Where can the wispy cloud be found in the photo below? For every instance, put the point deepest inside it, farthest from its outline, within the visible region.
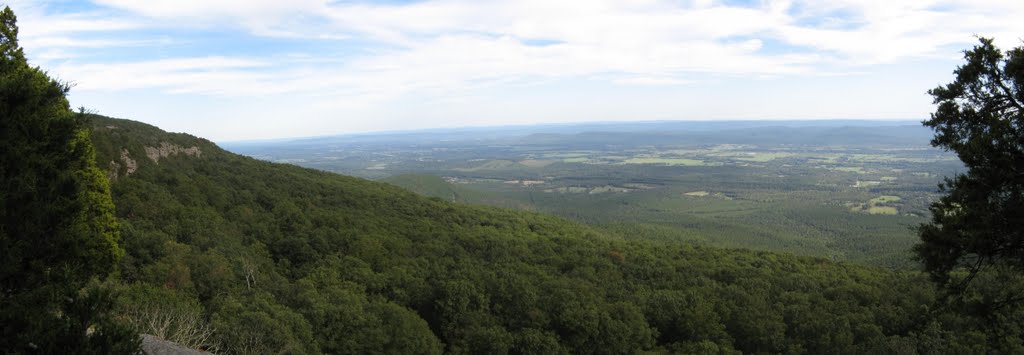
(446, 44)
(359, 50)
(209, 75)
(647, 80)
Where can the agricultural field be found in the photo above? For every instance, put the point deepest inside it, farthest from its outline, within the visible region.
(846, 191)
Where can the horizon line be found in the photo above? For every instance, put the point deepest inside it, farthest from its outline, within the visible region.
(553, 124)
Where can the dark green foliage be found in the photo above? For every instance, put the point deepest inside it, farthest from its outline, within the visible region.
(57, 226)
(256, 324)
(437, 187)
(427, 185)
(846, 191)
(290, 259)
(229, 253)
(976, 226)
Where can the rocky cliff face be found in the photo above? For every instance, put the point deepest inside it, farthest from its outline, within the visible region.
(152, 345)
(167, 149)
(130, 166)
(164, 150)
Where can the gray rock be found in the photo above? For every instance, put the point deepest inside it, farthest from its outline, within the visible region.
(152, 345)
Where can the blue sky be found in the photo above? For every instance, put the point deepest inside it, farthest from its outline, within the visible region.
(257, 69)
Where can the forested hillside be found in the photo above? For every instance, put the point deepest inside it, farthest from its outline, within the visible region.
(434, 186)
(246, 256)
(846, 190)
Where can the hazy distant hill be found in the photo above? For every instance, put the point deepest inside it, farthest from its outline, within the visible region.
(761, 136)
(505, 133)
(621, 136)
(281, 259)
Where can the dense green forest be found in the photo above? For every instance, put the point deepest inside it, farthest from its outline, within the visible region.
(264, 257)
(113, 228)
(842, 190)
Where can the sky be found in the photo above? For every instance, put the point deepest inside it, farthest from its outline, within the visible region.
(233, 70)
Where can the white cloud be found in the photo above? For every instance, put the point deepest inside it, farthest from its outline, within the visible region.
(220, 10)
(451, 48)
(887, 31)
(210, 75)
(65, 42)
(653, 81)
(451, 44)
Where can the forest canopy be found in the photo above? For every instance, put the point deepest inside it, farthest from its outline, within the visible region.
(280, 258)
(226, 253)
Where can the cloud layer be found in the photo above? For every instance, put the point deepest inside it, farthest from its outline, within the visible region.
(370, 52)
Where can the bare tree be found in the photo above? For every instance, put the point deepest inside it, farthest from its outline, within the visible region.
(249, 270)
(183, 325)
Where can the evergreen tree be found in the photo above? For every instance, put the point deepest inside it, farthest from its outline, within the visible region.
(57, 227)
(976, 227)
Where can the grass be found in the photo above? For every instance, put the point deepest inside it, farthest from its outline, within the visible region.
(754, 157)
(884, 199)
(886, 210)
(536, 163)
(875, 206)
(867, 183)
(573, 154)
(874, 158)
(608, 188)
(666, 161)
(851, 169)
(765, 157)
(495, 165)
(569, 189)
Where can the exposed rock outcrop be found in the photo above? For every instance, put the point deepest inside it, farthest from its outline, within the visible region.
(130, 164)
(167, 149)
(152, 345)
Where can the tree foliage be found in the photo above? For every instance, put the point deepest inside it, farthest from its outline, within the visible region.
(976, 226)
(57, 225)
(231, 253)
(282, 258)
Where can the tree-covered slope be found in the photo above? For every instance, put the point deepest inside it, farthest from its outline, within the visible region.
(250, 256)
(436, 186)
(427, 185)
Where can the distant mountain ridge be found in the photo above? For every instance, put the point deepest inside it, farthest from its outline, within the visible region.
(504, 132)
